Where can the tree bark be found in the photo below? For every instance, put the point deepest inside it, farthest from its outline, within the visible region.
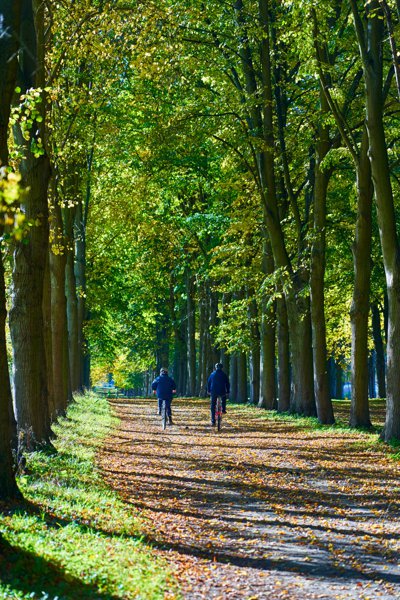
(26, 315)
(371, 374)
(379, 349)
(80, 278)
(370, 38)
(267, 398)
(204, 352)
(10, 11)
(317, 274)
(191, 332)
(359, 413)
(183, 359)
(213, 350)
(283, 356)
(254, 350)
(241, 378)
(233, 376)
(59, 329)
(48, 342)
(302, 393)
(72, 302)
(339, 380)
(8, 485)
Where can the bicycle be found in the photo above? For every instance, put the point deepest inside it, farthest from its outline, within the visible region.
(218, 413)
(164, 414)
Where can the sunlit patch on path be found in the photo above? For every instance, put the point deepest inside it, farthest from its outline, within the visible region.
(265, 509)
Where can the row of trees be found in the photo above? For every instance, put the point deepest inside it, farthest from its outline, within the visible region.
(263, 131)
(186, 184)
(46, 149)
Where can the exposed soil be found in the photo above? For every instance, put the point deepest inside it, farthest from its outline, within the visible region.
(265, 509)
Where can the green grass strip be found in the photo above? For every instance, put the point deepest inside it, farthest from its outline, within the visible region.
(368, 439)
(75, 538)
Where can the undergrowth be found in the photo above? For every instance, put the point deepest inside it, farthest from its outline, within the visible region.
(73, 537)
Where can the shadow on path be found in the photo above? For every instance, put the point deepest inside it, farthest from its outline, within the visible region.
(271, 503)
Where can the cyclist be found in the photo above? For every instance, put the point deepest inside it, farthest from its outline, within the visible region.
(218, 385)
(164, 386)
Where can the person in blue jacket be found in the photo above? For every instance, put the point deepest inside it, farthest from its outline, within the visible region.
(164, 386)
(218, 385)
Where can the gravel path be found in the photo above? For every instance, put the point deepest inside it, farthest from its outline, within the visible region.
(265, 509)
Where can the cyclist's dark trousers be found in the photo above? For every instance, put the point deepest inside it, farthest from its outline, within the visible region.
(214, 404)
(168, 403)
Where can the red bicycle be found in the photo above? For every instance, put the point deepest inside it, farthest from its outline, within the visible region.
(218, 413)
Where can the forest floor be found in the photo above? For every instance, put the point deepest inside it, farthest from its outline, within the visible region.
(272, 507)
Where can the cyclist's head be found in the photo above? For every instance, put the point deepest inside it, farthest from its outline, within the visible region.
(163, 371)
(218, 366)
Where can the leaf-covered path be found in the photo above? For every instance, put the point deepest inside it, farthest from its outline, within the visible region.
(265, 509)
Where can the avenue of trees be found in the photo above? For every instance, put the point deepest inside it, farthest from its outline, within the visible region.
(190, 182)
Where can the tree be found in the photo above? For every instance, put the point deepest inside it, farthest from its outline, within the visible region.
(9, 43)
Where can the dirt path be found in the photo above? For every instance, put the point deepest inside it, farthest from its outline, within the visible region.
(263, 510)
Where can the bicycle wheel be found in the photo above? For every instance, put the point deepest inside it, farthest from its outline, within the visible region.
(219, 414)
(164, 414)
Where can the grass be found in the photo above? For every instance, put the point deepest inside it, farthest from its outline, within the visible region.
(366, 438)
(73, 537)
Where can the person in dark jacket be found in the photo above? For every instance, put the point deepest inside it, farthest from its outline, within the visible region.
(218, 385)
(164, 386)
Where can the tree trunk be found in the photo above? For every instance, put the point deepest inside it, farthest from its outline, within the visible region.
(162, 351)
(302, 393)
(241, 378)
(204, 343)
(267, 398)
(359, 413)
(370, 33)
(8, 485)
(297, 303)
(225, 357)
(60, 358)
(317, 274)
(215, 353)
(10, 13)
(385, 312)
(26, 315)
(80, 277)
(380, 353)
(48, 342)
(371, 374)
(72, 302)
(254, 350)
(191, 332)
(183, 359)
(283, 356)
(339, 381)
(233, 376)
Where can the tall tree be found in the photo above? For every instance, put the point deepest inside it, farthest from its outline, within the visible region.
(26, 315)
(370, 35)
